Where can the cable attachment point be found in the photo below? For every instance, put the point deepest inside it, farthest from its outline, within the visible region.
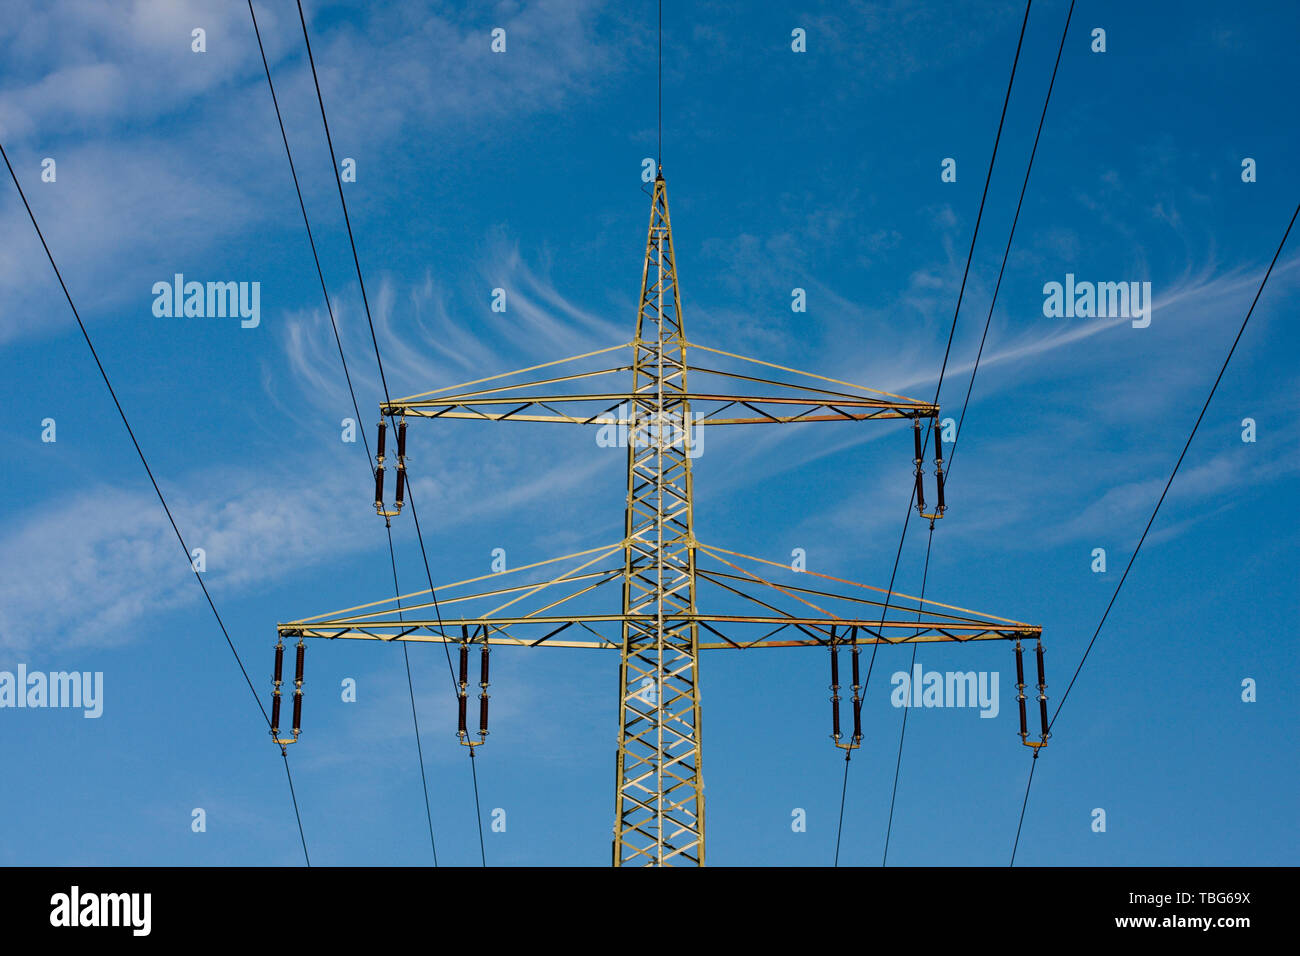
(380, 447)
(277, 682)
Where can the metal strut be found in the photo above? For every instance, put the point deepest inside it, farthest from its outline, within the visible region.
(401, 469)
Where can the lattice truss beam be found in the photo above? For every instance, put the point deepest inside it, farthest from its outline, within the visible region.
(771, 606)
(560, 398)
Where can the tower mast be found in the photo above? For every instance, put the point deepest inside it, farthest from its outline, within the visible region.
(659, 803)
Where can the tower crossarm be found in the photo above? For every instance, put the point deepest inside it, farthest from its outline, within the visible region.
(614, 408)
(728, 396)
(536, 631)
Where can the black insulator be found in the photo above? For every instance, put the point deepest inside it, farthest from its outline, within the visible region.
(297, 711)
(401, 440)
(920, 492)
(856, 682)
(938, 445)
(297, 672)
(1020, 690)
(279, 663)
(379, 443)
(835, 688)
(483, 666)
(379, 485)
(401, 486)
(275, 714)
(1042, 692)
(461, 720)
(938, 477)
(916, 439)
(857, 718)
(464, 664)
(482, 715)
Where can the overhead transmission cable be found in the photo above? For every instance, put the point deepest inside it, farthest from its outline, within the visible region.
(942, 370)
(971, 385)
(387, 398)
(157, 491)
(329, 308)
(1155, 511)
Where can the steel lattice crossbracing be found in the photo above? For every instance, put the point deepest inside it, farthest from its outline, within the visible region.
(659, 814)
(674, 588)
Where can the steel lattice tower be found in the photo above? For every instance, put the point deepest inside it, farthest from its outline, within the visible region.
(659, 795)
(660, 802)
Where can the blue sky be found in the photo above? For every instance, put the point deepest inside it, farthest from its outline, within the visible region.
(521, 170)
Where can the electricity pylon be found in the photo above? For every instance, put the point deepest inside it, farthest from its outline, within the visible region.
(659, 796)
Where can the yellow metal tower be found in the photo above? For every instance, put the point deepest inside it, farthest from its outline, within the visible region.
(659, 564)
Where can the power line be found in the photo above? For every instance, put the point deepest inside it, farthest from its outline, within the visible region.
(384, 383)
(153, 481)
(947, 349)
(355, 407)
(911, 669)
(975, 370)
(952, 451)
(1159, 502)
